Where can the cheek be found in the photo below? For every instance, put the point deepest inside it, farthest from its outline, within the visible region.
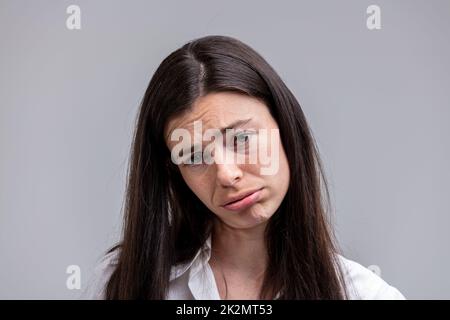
(199, 185)
(279, 182)
(271, 158)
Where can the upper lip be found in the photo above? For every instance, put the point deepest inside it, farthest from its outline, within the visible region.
(239, 196)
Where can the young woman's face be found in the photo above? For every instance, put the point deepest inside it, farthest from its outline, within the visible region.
(247, 160)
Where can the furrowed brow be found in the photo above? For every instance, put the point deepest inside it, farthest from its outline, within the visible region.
(233, 125)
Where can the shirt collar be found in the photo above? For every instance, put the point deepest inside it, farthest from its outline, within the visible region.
(202, 256)
(196, 278)
(201, 280)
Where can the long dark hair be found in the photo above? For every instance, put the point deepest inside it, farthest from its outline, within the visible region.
(164, 221)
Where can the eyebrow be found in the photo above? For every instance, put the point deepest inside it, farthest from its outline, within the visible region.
(236, 124)
(233, 125)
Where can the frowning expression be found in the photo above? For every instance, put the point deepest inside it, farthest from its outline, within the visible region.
(243, 190)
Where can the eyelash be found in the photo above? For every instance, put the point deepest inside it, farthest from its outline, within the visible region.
(246, 134)
(240, 135)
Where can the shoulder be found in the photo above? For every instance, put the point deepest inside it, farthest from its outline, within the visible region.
(364, 284)
(95, 289)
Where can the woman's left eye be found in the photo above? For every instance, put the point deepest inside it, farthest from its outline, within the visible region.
(242, 138)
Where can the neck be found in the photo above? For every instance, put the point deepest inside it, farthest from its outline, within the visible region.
(240, 250)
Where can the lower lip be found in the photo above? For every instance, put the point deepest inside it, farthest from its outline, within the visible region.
(244, 202)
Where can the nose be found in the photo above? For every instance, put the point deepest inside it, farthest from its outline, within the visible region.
(227, 172)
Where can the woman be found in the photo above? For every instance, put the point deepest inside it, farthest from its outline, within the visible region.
(199, 226)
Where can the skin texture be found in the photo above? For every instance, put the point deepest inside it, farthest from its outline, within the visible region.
(238, 248)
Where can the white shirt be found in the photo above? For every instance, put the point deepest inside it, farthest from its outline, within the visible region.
(195, 279)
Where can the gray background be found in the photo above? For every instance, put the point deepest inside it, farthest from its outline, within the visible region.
(378, 103)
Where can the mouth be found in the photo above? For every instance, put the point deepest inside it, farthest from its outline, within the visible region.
(243, 201)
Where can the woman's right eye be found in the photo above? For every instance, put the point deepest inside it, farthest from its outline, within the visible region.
(195, 159)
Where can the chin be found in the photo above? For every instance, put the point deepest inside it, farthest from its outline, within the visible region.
(254, 217)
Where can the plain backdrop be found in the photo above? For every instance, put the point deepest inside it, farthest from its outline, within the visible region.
(378, 102)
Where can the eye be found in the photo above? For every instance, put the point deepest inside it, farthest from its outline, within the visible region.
(195, 159)
(241, 138)
(241, 142)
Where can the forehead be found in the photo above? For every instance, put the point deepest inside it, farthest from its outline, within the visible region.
(218, 110)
